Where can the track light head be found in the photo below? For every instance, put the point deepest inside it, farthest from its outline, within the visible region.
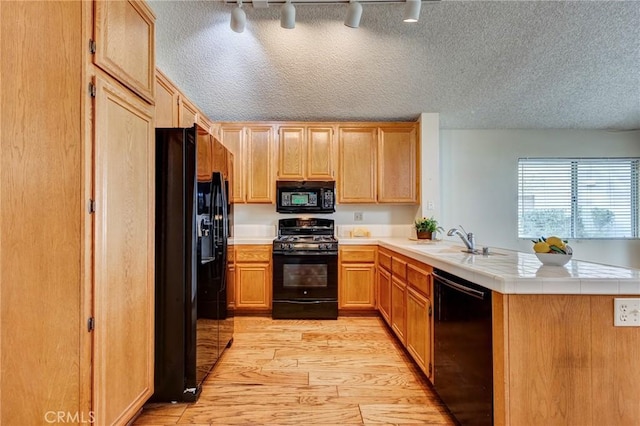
(288, 16)
(238, 18)
(412, 10)
(354, 13)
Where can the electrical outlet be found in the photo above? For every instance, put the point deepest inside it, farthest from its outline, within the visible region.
(430, 205)
(357, 216)
(626, 312)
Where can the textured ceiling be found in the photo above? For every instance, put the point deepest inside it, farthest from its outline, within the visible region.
(481, 65)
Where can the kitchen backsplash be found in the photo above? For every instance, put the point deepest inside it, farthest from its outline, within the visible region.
(346, 231)
(342, 231)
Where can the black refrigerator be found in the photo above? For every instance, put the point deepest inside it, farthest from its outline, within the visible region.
(192, 325)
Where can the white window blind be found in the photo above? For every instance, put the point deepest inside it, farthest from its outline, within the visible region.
(578, 197)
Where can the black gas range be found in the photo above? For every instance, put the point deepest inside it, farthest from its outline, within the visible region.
(305, 269)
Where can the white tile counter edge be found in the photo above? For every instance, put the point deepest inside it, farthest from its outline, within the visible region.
(512, 272)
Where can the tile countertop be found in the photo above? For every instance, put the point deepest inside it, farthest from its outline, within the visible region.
(512, 272)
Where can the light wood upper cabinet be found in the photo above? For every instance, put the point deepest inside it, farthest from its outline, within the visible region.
(259, 157)
(233, 138)
(166, 101)
(320, 153)
(125, 46)
(204, 122)
(220, 158)
(291, 159)
(357, 164)
(397, 165)
(124, 253)
(204, 165)
(188, 112)
(305, 153)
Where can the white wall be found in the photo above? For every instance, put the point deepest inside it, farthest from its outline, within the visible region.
(479, 183)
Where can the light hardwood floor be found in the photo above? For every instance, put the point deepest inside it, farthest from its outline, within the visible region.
(306, 372)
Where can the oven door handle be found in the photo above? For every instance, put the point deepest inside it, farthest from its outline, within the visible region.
(307, 302)
(459, 287)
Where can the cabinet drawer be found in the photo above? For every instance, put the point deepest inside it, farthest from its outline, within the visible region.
(253, 254)
(384, 260)
(419, 279)
(358, 254)
(399, 268)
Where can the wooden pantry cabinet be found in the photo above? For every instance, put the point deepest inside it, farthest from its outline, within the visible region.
(253, 277)
(305, 152)
(357, 277)
(77, 252)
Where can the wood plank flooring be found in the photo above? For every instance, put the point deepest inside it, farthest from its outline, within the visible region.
(307, 372)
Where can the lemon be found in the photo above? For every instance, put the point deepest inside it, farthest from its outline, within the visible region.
(555, 241)
(541, 247)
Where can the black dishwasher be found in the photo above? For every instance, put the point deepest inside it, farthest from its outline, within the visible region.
(463, 376)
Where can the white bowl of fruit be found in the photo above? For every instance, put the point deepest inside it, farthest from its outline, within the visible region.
(552, 251)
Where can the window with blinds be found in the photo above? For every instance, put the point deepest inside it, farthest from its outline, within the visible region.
(578, 197)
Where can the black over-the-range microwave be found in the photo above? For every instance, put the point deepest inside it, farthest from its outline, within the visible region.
(305, 196)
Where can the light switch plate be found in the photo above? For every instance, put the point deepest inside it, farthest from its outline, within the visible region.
(626, 312)
(357, 216)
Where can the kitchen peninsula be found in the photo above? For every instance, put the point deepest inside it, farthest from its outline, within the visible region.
(557, 358)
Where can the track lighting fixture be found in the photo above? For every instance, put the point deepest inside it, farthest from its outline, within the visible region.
(288, 11)
(288, 16)
(412, 10)
(238, 18)
(354, 13)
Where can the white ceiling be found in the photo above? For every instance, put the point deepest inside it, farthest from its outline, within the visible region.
(480, 64)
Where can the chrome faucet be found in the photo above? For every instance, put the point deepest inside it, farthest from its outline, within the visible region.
(466, 237)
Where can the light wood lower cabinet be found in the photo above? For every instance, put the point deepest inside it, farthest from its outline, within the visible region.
(398, 308)
(231, 278)
(253, 277)
(419, 329)
(357, 277)
(404, 291)
(384, 294)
